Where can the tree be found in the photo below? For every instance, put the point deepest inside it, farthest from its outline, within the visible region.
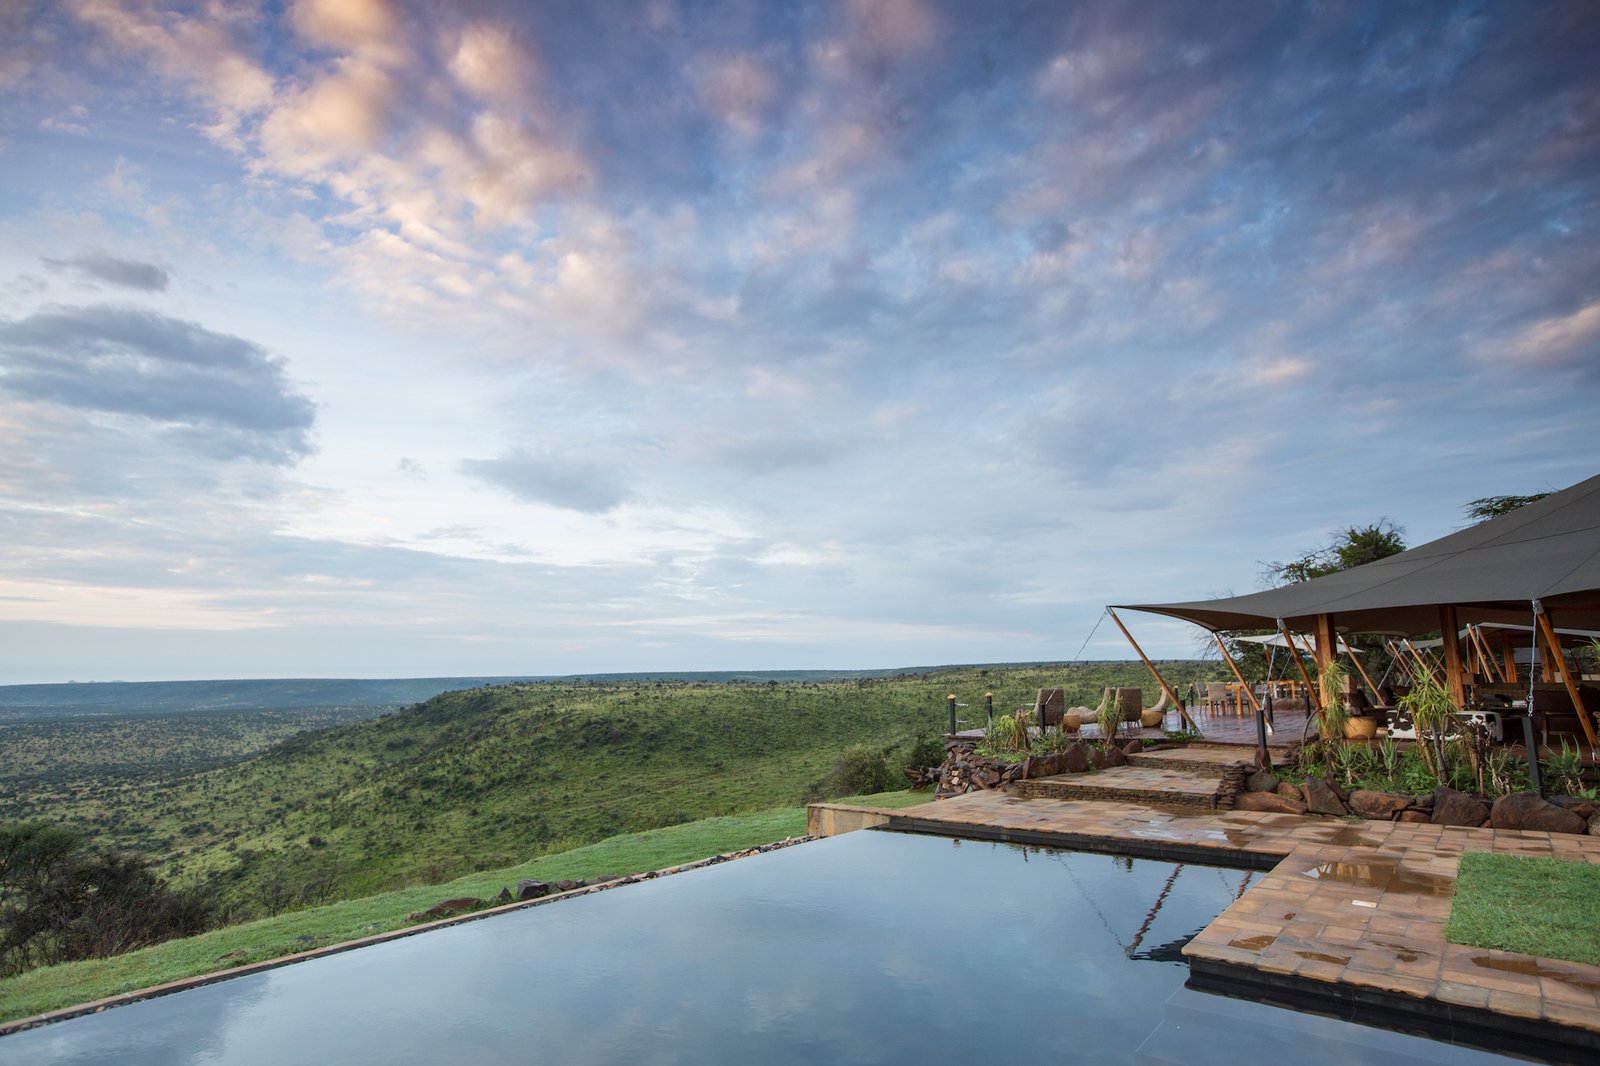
(1495, 506)
(59, 904)
(1349, 547)
(1352, 546)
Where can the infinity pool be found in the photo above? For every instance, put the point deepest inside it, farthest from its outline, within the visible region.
(870, 947)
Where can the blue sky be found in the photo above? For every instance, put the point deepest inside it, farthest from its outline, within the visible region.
(375, 339)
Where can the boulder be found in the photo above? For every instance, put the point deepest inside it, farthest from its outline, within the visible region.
(1074, 760)
(1526, 810)
(1267, 801)
(1322, 799)
(1583, 808)
(1594, 824)
(1133, 747)
(1379, 806)
(1262, 781)
(567, 886)
(1411, 814)
(1457, 808)
(1288, 791)
(532, 889)
(505, 896)
(445, 908)
(1114, 756)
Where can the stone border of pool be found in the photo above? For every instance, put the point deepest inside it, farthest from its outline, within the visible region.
(1349, 920)
(122, 999)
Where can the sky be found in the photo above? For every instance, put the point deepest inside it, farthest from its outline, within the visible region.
(365, 338)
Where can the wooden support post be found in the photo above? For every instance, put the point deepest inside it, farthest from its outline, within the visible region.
(1313, 696)
(1326, 647)
(1422, 660)
(1244, 685)
(1509, 649)
(1451, 646)
(1171, 695)
(1362, 670)
(1553, 642)
(1491, 667)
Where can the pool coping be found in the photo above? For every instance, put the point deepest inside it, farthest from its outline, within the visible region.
(1348, 921)
(183, 984)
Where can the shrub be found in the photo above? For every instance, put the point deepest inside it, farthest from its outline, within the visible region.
(860, 770)
(58, 904)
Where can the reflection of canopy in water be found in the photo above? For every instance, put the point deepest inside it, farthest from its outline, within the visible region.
(1172, 950)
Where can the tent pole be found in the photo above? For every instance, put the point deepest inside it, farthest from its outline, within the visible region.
(1243, 684)
(1509, 650)
(1491, 668)
(1171, 695)
(1313, 697)
(1451, 647)
(1554, 644)
(1362, 670)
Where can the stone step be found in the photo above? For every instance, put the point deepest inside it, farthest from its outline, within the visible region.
(1130, 784)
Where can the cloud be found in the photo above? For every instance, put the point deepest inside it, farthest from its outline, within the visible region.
(572, 483)
(215, 390)
(129, 273)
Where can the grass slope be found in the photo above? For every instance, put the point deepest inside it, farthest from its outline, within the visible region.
(55, 987)
(496, 775)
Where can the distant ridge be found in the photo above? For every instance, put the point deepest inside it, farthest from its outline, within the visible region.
(20, 702)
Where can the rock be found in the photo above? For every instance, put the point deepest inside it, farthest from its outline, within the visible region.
(1322, 799)
(1583, 808)
(1074, 760)
(1097, 758)
(567, 886)
(1012, 772)
(1379, 806)
(1411, 814)
(1133, 747)
(532, 889)
(1525, 810)
(1262, 781)
(1114, 756)
(1457, 808)
(445, 908)
(1594, 824)
(1288, 791)
(1267, 801)
(505, 896)
(1043, 766)
(606, 879)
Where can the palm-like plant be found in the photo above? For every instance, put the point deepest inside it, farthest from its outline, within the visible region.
(1431, 708)
(1333, 680)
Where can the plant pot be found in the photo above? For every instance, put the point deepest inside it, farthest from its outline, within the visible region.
(1360, 728)
(1151, 719)
(1070, 723)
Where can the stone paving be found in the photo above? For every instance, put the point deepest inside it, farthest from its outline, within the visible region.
(1350, 912)
(1178, 787)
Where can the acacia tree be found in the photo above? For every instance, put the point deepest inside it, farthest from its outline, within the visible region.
(1348, 547)
(1494, 506)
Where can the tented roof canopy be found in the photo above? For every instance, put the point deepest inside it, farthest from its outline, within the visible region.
(1491, 572)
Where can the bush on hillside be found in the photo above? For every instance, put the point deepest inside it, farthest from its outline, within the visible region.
(58, 903)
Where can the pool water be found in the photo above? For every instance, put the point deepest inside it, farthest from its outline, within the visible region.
(870, 947)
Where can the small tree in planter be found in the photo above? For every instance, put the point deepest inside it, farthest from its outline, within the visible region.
(1431, 709)
(1109, 715)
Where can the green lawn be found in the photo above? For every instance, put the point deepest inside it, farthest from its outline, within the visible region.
(55, 987)
(1542, 907)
